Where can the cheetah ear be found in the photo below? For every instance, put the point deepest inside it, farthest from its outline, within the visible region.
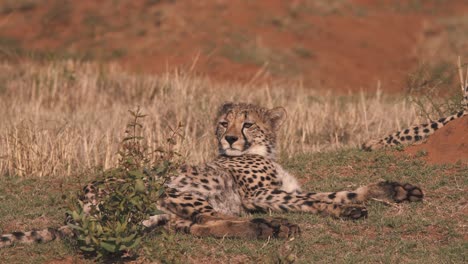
(277, 116)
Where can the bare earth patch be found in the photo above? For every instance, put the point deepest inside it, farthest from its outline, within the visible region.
(447, 145)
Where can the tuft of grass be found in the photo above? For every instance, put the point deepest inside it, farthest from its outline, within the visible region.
(303, 52)
(245, 50)
(421, 153)
(58, 13)
(252, 53)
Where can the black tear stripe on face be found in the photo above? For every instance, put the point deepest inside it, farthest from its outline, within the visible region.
(246, 142)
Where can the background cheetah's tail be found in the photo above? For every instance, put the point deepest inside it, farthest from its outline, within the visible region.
(411, 135)
(417, 133)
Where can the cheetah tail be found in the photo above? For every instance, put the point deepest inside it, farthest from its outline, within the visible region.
(37, 236)
(414, 134)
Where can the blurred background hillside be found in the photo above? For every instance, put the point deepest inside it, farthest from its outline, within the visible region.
(338, 45)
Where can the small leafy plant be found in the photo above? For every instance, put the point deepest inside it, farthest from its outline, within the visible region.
(125, 196)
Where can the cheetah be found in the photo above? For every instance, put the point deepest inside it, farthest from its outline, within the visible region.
(215, 199)
(416, 134)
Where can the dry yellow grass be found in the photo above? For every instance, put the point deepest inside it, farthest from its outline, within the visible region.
(64, 118)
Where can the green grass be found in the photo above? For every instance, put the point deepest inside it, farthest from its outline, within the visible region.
(434, 231)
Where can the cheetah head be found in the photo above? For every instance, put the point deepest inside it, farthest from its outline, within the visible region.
(248, 129)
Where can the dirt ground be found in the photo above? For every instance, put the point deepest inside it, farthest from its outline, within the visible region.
(337, 46)
(447, 145)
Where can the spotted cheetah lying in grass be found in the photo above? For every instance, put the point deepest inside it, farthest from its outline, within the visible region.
(214, 199)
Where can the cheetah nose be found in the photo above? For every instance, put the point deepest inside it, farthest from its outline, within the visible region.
(231, 139)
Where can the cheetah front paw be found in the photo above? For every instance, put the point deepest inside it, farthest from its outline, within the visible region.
(276, 227)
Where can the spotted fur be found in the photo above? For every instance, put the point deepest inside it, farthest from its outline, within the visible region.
(216, 198)
(418, 133)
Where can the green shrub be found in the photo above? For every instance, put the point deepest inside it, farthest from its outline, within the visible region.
(128, 195)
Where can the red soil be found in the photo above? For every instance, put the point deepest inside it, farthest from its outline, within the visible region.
(448, 145)
(334, 45)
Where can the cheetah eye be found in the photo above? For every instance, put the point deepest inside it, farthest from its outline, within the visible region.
(247, 124)
(223, 123)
